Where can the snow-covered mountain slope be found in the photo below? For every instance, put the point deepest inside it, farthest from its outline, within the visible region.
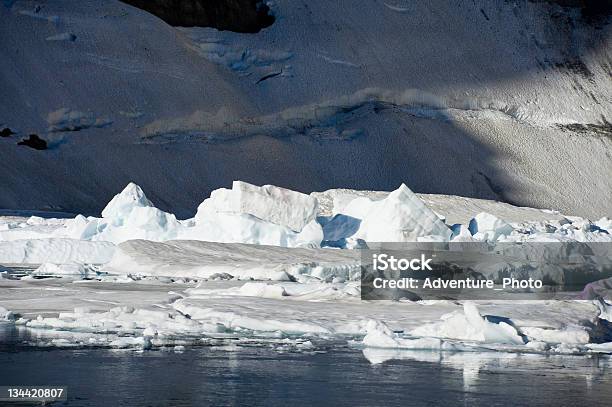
(486, 99)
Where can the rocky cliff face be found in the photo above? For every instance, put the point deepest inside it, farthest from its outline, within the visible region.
(248, 16)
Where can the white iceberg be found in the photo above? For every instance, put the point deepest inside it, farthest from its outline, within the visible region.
(485, 226)
(265, 215)
(122, 204)
(269, 203)
(380, 336)
(400, 217)
(6, 315)
(129, 215)
(70, 269)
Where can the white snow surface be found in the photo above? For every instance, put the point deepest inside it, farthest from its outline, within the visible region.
(196, 259)
(477, 108)
(55, 250)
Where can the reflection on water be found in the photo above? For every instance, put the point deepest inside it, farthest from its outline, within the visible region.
(339, 376)
(588, 369)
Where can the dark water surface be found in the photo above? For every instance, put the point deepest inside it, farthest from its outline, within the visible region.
(339, 376)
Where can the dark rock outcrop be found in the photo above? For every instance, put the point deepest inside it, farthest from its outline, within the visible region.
(6, 132)
(34, 142)
(246, 16)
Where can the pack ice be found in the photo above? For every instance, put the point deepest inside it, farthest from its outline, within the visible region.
(276, 216)
(203, 268)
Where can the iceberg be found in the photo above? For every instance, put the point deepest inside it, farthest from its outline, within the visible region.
(400, 217)
(276, 205)
(489, 227)
(122, 204)
(267, 215)
(129, 215)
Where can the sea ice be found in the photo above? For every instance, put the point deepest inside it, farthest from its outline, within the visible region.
(470, 326)
(55, 250)
(380, 336)
(71, 269)
(6, 315)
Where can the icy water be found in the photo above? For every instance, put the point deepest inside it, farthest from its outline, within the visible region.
(338, 376)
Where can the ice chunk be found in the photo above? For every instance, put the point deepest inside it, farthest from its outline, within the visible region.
(6, 315)
(400, 217)
(147, 223)
(462, 234)
(242, 228)
(470, 326)
(276, 205)
(263, 290)
(129, 215)
(380, 336)
(77, 228)
(71, 269)
(569, 335)
(600, 347)
(62, 37)
(485, 226)
(265, 215)
(604, 223)
(122, 204)
(142, 342)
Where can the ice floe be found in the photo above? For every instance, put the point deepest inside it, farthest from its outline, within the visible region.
(469, 325)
